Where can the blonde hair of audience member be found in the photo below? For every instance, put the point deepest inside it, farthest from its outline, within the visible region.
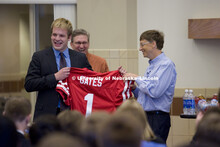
(120, 130)
(61, 140)
(90, 126)
(133, 107)
(70, 121)
(63, 24)
(18, 109)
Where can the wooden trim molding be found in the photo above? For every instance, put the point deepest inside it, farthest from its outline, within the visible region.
(204, 28)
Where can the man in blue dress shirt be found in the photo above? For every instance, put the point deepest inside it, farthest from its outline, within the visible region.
(155, 90)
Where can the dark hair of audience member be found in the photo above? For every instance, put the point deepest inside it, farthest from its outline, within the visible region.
(208, 129)
(120, 130)
(18, 109)
(90, 125)
(8, 132)
(43, 125)
(71, 121)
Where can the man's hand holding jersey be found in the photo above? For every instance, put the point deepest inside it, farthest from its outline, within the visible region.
(124, 73)
(62, 73)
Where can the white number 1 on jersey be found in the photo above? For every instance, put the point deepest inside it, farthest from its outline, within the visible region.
(89, 99)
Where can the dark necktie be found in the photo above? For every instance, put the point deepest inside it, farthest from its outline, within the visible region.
(63, 106)
(62, 61)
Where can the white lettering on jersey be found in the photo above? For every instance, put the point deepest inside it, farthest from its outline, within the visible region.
(91, 81)
(64, 86)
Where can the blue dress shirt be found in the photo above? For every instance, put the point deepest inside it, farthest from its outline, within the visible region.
(66, 55)
(67, 58)
(155, 89)
(145, 143)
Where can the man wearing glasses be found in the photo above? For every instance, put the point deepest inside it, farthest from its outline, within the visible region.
(80, 43)
(155, 90)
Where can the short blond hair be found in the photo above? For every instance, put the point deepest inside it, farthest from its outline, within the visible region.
(63, 24)
(132, 107)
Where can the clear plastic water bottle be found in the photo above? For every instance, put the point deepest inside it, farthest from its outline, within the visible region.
(191, 103)
(185, 101)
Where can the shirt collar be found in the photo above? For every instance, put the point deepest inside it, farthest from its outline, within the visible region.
(20, 132)
(65, 52)
(157, 59)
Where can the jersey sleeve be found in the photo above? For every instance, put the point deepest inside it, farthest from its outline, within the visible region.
(63, 89)
(123, 90)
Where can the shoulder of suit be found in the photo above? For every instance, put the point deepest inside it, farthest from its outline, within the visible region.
(75, 53)
(44, 51)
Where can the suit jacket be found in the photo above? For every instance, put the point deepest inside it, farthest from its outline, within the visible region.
(22, 141)
(40, 77)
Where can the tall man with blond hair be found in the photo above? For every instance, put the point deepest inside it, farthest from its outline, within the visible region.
(50, 65)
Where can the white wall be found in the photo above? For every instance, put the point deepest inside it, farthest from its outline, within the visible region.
(111, 23)
(24, 42)
(197, 61)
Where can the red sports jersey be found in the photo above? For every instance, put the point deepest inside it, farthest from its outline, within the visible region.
(86, 91)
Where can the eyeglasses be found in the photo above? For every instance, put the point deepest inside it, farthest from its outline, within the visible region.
(79, 43)
(143, 44)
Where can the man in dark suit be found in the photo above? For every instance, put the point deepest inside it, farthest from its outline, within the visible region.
(45, 68)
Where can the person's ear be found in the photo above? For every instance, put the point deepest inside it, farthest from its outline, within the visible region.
(154, 44)
(28, 119)
(69, 38)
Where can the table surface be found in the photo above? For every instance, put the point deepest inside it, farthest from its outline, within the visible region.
(188, 116)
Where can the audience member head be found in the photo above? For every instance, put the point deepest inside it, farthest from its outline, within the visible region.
(208, 129)
(132, 107)
(18, 109)
(90, 126)
(8, 132)
(43, 125)
(71, 121)
(59, 139)
(80, 40)
(120, 130)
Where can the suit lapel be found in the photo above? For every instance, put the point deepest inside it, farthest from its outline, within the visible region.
(51, 60)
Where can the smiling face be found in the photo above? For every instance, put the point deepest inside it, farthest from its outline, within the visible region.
(146, 48)
(59, 39)
(80, 43)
